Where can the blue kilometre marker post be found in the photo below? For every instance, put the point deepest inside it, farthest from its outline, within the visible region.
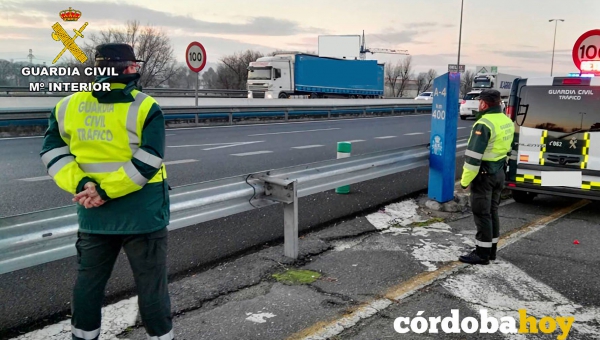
(442, 157)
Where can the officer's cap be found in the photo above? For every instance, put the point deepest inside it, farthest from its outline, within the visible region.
(116, 52)
(490, 96)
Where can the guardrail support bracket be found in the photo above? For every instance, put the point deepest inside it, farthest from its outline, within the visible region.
(285, 191)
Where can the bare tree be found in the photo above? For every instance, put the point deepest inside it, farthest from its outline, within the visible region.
(233, 72)
(149, 43)
(466, 82)
(210, 79)
(392, 72)
(6, 72)
(431, 75)
(406, 74)
(183, 78)
(421, 82)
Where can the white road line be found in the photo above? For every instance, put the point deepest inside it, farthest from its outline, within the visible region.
(307, 146)
(461, 127)
(414, 133)
(289, 123)
(44, 178)
(181, 161)
(216, 145)
(355, 141)
(35, 179)
(286, 132)
(251, 125)
(232, 145)
(385, 137)
(251, 153)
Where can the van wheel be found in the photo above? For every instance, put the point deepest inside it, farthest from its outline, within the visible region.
(523, 196)
(283, 95)
(463, 117)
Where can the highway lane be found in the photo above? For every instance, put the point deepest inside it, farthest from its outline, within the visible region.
(207, 153)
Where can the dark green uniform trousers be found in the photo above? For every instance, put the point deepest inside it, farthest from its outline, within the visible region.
(486, 190)
(96, 256)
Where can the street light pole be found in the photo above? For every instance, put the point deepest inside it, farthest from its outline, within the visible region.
(554, 45)
(581, 124)
(460, 33)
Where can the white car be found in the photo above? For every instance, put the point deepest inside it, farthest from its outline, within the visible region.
(470, 103)
(424, 96)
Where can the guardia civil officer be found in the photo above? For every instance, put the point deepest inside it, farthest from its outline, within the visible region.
(484, 172)
(107, 149)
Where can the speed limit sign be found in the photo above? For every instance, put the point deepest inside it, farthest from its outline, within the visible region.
(195, 56)
(586, 52)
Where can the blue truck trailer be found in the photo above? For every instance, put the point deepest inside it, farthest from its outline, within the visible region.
(296, 74)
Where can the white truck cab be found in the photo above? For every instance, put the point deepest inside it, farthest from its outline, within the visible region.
(272, 76)
(485, 80)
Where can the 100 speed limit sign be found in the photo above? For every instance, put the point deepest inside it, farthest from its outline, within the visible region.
(195, 56)
(586, 52)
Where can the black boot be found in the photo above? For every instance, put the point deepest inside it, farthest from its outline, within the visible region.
(493, 252)
(477, 256)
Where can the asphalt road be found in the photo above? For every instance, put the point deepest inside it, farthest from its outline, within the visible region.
(201, 154)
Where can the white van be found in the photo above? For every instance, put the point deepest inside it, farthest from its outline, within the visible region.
(556, 147)
(469, 105)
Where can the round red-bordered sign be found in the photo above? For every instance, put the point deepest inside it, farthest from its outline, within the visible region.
(195, 56)
(588, 50)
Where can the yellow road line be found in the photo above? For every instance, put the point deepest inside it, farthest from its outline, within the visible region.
(329, 328)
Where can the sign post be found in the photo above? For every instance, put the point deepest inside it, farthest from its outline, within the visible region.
(586, 52)
(442, 156)
(195, 57)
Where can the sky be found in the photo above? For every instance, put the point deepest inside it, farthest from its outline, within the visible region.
(514, 35)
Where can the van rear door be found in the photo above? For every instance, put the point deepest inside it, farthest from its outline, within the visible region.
(557, 136)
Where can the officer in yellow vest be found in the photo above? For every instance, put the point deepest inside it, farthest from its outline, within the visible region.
(484, 171)
(107, 149)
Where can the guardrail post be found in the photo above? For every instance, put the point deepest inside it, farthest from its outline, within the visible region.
(196, 118)
(290, 222)
(329, 114)
(416, 108)
(287, 113)
(230, 116)
(286, 192)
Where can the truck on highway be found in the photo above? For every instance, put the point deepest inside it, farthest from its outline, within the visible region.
(486, 78)
(295, 74)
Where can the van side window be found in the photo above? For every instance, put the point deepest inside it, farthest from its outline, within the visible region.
(277, 73)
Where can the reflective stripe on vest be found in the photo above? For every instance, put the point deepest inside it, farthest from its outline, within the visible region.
(83, 129)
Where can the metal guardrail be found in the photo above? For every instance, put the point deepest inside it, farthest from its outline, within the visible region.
(32, 239)
(32, 116)
(153, 91)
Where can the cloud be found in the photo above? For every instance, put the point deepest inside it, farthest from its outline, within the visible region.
(421, 24)
(45, 49)
(534, 54)
(121, 13)
(394, 37)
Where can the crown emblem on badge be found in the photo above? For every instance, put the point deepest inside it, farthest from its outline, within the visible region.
(70, 14)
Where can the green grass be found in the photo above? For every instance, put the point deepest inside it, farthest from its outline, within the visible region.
(297, 277)
(428, 222)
